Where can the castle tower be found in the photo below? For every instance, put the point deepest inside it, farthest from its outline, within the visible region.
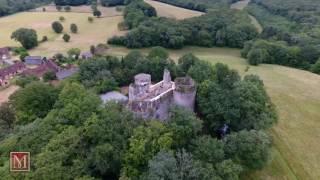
(166, 79)
(184, 93)
(140, 87)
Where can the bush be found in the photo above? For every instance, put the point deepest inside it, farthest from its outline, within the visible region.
(59, 8)
(90, 19)
(66, 37)
(74, 28)
(257, 56)
(57, 27)
(117, 40)
(44, 39)
(23, 55)
(316, 67)
(62, 19)
(67, 8)
(27, 37)
(49, 76)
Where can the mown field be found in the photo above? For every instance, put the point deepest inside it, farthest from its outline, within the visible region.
(296, 94)
(89, 33)
(165, 10)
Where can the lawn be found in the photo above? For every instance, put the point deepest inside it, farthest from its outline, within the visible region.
(165, 10)
(89, 33)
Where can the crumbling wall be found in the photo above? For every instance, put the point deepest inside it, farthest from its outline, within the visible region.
(185, 93)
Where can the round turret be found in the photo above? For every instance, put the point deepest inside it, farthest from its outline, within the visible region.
(184, 93)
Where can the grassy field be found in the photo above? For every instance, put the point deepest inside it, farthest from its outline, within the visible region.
(240, 5)
(89, 33)
(170, 11)
(296, 94)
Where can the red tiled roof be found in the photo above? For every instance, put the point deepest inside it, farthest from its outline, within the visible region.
(11, 69)
(42, 69)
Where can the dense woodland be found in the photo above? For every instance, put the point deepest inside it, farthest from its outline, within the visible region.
(12, 6)
(72, 135)
(217, 28)
(291, 28)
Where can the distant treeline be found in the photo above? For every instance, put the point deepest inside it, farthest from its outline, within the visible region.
(291, 33)
(71, 2)
(219, 28)
(12, 6)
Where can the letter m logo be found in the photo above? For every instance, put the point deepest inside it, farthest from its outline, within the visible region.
(19, 161)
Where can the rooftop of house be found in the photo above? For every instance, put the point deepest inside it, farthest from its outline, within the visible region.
(11, 69)
(66, 73)
(33, 60)
(4, 50)
(39, 71)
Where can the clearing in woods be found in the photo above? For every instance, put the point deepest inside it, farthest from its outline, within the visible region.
(89, 33)
(166, 10)
(240, 5)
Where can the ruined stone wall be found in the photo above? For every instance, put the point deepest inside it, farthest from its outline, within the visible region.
(185, 93)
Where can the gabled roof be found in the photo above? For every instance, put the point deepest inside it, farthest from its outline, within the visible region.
(42, 69)
(66, 73)
(11, 69)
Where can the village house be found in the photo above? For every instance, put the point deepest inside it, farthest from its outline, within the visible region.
(4, 54)
(86, 55)
(47, 65)
(64, 73)
(9, 72)
(34, 60)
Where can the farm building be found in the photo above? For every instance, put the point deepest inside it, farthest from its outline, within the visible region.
(62, 74)
(39, 71)
(7, 73)
(34, 60)
(4, 54)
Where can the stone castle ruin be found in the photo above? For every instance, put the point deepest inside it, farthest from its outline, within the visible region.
(154, 100)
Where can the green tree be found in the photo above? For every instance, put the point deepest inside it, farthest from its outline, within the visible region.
(7, 115)
(22, 81)
(257, 56)
(239, 147)
(316, 67)
(67, 8)
(228, 170)
(184, 125)
(66, 37)
(27, 37)
(23, 55)
(201, 71)
(97, 13)
(34, 101)
(74, 53)
(165, 165)
(59, 8)
(185, 62)
(208, 149)
(57, 27)
(240, 104)
(62, 19)
(74, 28)
(145, 142)
(49, 76)
(90, 19)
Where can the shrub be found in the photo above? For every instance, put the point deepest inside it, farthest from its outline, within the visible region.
(23, 55)
(44, 39)
(67, 8)
(90, 19)
(62, 19)
(74, 28)
(66, 37)
(57, 27)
